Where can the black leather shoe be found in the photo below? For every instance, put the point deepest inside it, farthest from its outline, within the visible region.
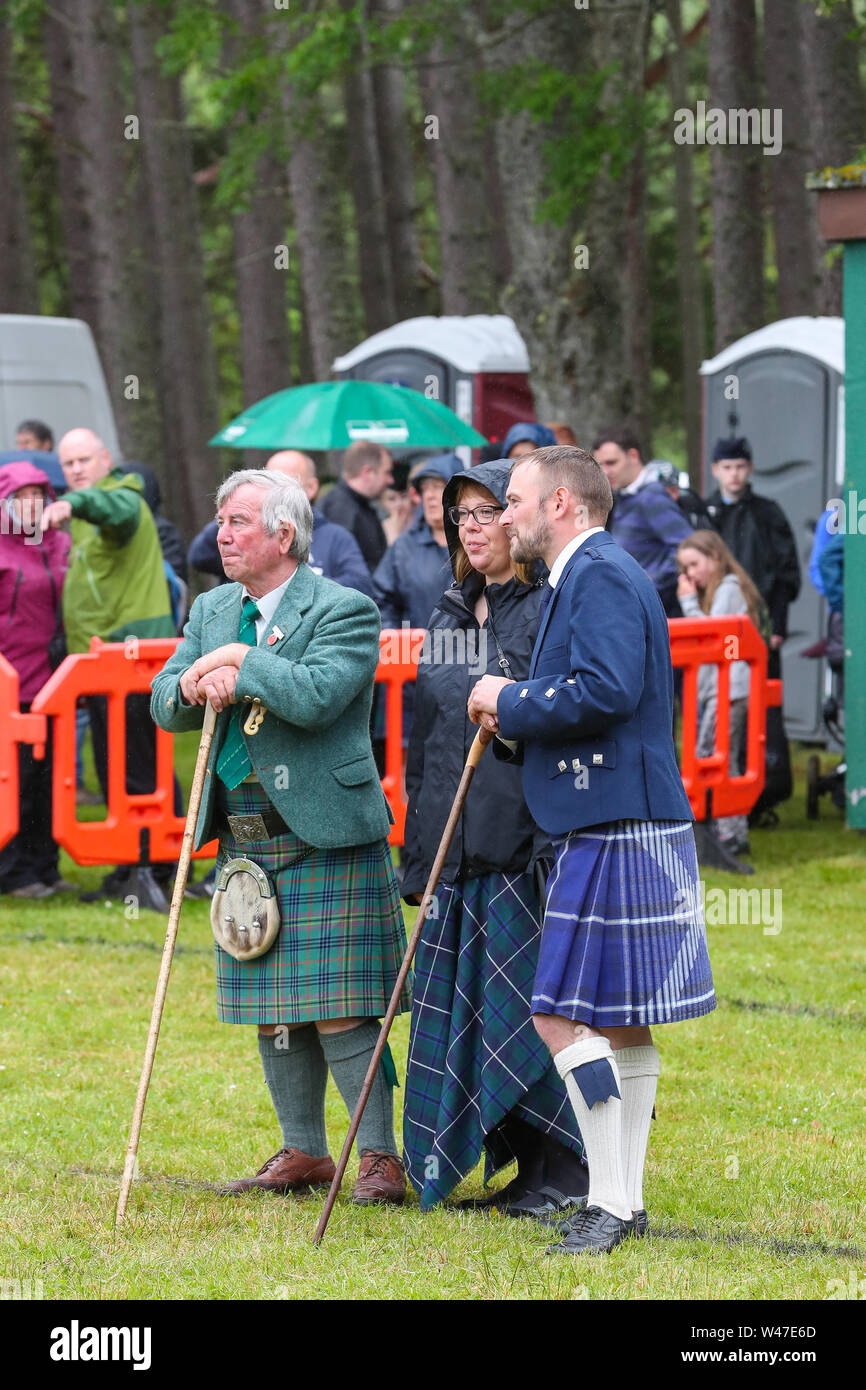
(640, 1222)
(547, 1205)
(594, 1232)
(563, 1220)
(512, 1191)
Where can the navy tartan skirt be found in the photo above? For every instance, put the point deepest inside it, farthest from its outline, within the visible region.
(474, 1054)
(624, 942)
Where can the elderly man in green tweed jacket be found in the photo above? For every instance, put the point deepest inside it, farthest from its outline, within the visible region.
(307, 649)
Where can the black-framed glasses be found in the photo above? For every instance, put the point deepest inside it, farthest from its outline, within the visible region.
(481, 515)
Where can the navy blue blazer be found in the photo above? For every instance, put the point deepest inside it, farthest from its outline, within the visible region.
(595, 716)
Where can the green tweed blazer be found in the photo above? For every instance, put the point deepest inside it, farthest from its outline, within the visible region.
(312, 752)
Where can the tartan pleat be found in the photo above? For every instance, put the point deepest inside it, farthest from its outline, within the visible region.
(474, 1054)
(624, 942)
(342, 939)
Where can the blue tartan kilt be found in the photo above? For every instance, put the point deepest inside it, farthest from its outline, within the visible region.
(474, 1054)
(624, 942)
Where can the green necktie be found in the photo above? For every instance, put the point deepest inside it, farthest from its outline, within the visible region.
(233, 763)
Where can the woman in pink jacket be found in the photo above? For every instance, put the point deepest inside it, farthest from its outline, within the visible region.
(32, 566)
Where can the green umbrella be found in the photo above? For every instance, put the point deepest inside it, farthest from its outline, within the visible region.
(334, 414)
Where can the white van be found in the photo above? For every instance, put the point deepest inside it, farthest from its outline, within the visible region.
(50, 371)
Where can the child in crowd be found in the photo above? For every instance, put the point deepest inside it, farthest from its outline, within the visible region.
(712, 584)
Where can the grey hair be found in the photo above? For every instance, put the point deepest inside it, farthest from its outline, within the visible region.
(286, 503)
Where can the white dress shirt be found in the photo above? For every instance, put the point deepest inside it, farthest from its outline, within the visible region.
(566, 553)
(267, 606)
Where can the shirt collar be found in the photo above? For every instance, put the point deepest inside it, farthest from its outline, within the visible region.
(268, 603)
(566, 553)
(643, 477)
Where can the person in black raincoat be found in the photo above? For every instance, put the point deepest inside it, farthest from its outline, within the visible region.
(477, 1079)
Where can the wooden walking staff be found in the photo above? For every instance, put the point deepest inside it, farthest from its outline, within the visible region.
(480, 742)
(167, 954)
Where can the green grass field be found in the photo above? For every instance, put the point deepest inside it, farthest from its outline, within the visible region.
(755, 1183)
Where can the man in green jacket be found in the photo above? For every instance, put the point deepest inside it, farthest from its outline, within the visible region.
(300, 797)
(115, 588)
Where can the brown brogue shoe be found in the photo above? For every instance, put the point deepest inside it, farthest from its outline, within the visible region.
(381, 1178)
(288, 1171)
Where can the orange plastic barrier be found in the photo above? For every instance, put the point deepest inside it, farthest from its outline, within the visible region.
(398, 663)
(15, 728)
(118, 670)
(114, 670)
(697, 642)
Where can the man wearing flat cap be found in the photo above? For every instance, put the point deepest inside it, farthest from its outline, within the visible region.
(302, 821)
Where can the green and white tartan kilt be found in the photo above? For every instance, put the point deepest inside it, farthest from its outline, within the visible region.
(342, 939)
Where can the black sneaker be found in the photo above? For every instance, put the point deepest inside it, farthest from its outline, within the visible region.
(640, 1223)
(594, 1232)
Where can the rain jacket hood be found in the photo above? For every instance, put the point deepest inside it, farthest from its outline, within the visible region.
(31, 578)
(21, 474)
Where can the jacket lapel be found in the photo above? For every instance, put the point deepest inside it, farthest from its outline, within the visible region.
(545, 621)
(224, 618)
(297, 598)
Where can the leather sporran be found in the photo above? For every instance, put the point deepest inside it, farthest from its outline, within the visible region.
(244, 911)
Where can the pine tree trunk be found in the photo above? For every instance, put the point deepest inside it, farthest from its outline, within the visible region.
(69, 159)
(736, 176)
(836, 111)
(261, 286)
(572, 316)
(795, 220)
(398, 179)
(637, 316)
(320, 237)
(18, 289)
(365, 178)
(262, 278)
(110, 232)
(188, 369)
(454, 135)
(689, 278)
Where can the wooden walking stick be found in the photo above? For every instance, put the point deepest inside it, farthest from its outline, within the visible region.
(167, 954)
(480, 742)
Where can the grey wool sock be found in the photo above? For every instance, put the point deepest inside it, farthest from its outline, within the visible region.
(297, 1073)
(348, 1055)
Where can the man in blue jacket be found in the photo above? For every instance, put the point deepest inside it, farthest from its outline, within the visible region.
(623, 943)
(645, 520)
(334, 553)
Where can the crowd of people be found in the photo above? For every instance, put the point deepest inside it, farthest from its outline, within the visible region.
(557, 569)
(381, 530)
